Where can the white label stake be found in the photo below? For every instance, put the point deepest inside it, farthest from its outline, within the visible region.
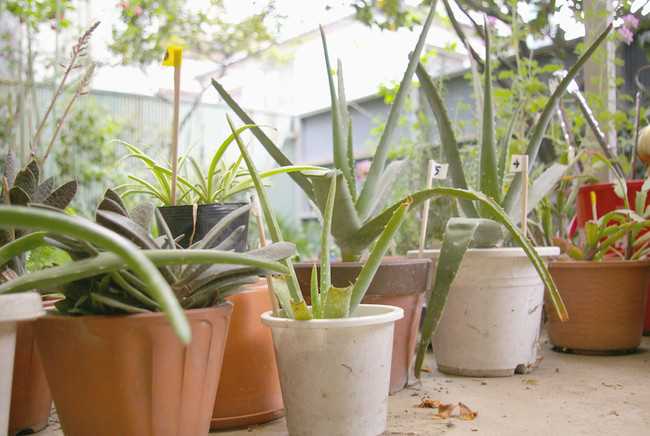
(438, 171)
(519, 164)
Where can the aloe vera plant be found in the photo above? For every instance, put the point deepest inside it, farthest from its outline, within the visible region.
(477, 228)
(327, 301)
(217, 183)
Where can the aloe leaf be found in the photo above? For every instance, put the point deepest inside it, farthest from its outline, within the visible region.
(216, 292)
(371, 265)
(217, 231)
(281, 291)
(105, 263)
(274, 228)
(387, 183)
(459, 234)
(545, 118)
(134, 292)
(116, 304)
(21, 245)
(504, 146)
(369, 190)
(447, 137)
(345, 221)
(325, 273)
(315, 295)
(339, 122)
(266, 142)
(126, 228)
(541, 187)
(300, 310)
(231, 240)
(125, 251)
(337, 304)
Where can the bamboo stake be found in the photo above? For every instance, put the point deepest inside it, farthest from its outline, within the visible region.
(173, 58)
(524, 195)
(255, 210)
(425, 209)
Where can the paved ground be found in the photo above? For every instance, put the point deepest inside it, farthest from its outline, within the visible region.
(567, 395)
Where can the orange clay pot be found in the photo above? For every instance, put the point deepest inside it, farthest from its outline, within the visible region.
(249, 391)
(130, 375)
(606, 304)
(400, 282)
(31, 399)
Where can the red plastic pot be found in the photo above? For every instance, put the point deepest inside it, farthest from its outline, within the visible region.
(607, 201)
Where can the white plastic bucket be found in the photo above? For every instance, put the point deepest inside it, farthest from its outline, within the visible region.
(13, 308)
(335, 373)
(491, 324)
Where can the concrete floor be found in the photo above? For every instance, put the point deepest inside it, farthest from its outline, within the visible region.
(567, 395)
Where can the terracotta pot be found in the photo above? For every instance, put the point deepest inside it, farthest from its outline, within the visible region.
(249, 391)
(130, 375)
(399, 282)
(31, 399)
(606, 304)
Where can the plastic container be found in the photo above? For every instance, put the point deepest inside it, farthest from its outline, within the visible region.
(13, 308)
(181, 222)
(491, 324)
(335, 373)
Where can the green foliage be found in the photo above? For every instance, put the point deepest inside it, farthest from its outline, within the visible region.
(146, 27)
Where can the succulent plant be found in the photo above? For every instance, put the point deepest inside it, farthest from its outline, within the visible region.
(24, 187)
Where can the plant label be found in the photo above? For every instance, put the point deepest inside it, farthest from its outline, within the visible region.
(439, 171)
(517, 163)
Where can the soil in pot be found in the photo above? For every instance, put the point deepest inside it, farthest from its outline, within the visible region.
(606, 305)
(131, 375)
(249, 389)
(31, 400)
(399, 282)
(180, 220)
(335, 373)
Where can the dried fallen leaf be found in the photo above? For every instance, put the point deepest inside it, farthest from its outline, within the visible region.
(428, 403)
(425, 369)
(444, 411)
(530, 381)
(466, 414)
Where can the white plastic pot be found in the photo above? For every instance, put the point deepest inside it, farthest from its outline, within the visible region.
(491, 324)
(335, 373)
(13, 308)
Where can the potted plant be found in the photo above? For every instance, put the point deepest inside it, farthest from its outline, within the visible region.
(604, 279)
(359, 216)
(205, 196)
(333, 356)
(486, 305)
(116, 298)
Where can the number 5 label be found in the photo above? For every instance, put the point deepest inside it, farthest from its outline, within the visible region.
(439, 171)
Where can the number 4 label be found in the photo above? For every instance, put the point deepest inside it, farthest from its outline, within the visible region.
(439, 171)
(518, 162)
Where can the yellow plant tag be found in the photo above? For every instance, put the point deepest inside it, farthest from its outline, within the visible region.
(173, 56)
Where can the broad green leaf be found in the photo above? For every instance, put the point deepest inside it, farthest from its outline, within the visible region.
(539, 129)
(315, 295)
(504, 145)
(488, 167)
(300, 310)
(541, 187)
(459, 234)
(337, 304)
(281, 291)
(369, 190)
(447, 137)
(325, 273)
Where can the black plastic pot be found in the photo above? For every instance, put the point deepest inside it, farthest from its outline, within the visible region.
(180, 222)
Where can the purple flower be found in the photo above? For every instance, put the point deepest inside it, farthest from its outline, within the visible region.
(631, 21)
(626, 34)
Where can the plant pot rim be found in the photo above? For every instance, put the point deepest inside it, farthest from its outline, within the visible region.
(386, 261)
(590, 264)
(69, 318)
(493, 252)
(202, 205)
(20, 307)
(370, 314)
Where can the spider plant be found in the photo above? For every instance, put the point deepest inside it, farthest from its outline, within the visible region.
(126, 280)
(217, 183)
(478, 227)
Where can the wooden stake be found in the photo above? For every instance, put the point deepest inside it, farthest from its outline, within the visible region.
(255, 210)
(524, 195)
(425, 210)
(175, 121)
